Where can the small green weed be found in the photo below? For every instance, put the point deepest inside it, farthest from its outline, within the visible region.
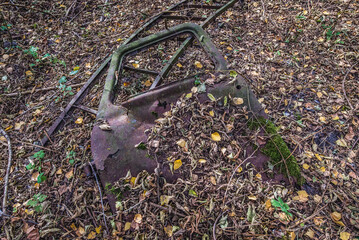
(36, 200)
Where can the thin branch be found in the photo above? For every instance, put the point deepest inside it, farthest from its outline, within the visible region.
(343, 86)
(99, 189)
(2, 131)
(28, 7)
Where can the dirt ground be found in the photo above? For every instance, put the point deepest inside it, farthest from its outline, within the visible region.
(300, 59)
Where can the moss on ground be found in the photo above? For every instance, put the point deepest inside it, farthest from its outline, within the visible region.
(276, 149)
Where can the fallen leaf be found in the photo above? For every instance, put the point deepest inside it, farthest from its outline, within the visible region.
(148, 83)
(138, 218)
(19, 125)
(213, 180)
(80, 120)
(318, 221)
(344, 236)
(198, 64)
(168, 230)
(229, 48)
(179, 65)
(133, 181)
(252, 197)
(98, 229)
(318, 157)
(188, 95)
(341, 142)
(292, 235)
(336, 216)
(310, 233)
(238, 101)
(28, 73)
(135, 65)
(69, 174)
(164, 199)
(92, 235)
(127, 226)
(268, 204)
(211, 97)
(34, 176)
(73, 226)
(216, 137)
(177, 164)
(105, 127)
(202, 160)
(239, 169)
(211, 113)
(302, 196)
(305, 166)
(319, 94)
(322, 119)
(31, 232)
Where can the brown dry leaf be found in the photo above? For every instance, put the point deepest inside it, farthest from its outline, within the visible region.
(34, 176)
(344, 236)
(216, 137)
(19, 125)
(213, 180)
(336, 216)
(252, 197)
(138, 218)
(80, 231)
(302, 196)
(310, 233)
(31, 232)
(349, 136)
(148, 83)
(92, 235)
(177, 164)
(292, 235)
(318, 221)
(73, 226)
(168, 230)
(98, 229)
(182, 143)
(70, 174)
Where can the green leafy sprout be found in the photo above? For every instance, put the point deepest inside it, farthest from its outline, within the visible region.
(36, 200)
(282, 205)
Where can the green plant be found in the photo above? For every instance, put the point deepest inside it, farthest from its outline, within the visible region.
(36, 200)
(71, 156)
(39, 156)
(282, 205)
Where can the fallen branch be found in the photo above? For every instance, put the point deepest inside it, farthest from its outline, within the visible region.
(2, 131)
(37, 90)
(343, 86)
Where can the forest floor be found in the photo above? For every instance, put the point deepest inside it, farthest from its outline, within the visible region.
(300, 59)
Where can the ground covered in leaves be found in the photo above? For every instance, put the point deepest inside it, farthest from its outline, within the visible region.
(299, 57)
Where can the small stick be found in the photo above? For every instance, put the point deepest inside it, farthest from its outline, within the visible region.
(343, 86)
(166, 209)
(99, 189)
(37, 90)
(2, 131)
(215, 223)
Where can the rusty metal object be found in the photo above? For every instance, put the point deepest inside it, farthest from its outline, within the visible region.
(95, 77)
(113, 149)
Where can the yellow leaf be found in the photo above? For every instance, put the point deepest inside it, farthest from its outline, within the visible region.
(222, 43)
(88, 65)
(98, 229)
(320, 39)
(148, 83)
(211, 113)
(59, 171)
(37, 185)
(336, 216)
(292, 235)
(213, 180)
(133, 181)
(268, 204)
(198, 64)
(91, 235)
(76, 68)
(318, 221)
(335, 117)
(28, 73)
(319, 94)
(344, 236)
(229, 48)
(326, 13)
(73, 226)
(259, 176)
(80, 120)
(138, 218)
(8, 128)
(238, 101)
(81, 231)
(239, 169)
(182, 143)
(135, 65)
(202, 160)
(179, 65)
(322, 169)
(119, 39)
(302, 196)
(341, 142)
(252, 197)
(177, 164)
(318, 157)
(216, 137)
(322, 119)
(164, 199)
(69, 174)
(168, 230)
(305, 166)
(127, 226)
(189, 95)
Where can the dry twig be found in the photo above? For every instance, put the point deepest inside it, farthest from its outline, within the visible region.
(2, 131)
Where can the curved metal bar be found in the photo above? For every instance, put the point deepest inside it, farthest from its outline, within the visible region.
(118, 56)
